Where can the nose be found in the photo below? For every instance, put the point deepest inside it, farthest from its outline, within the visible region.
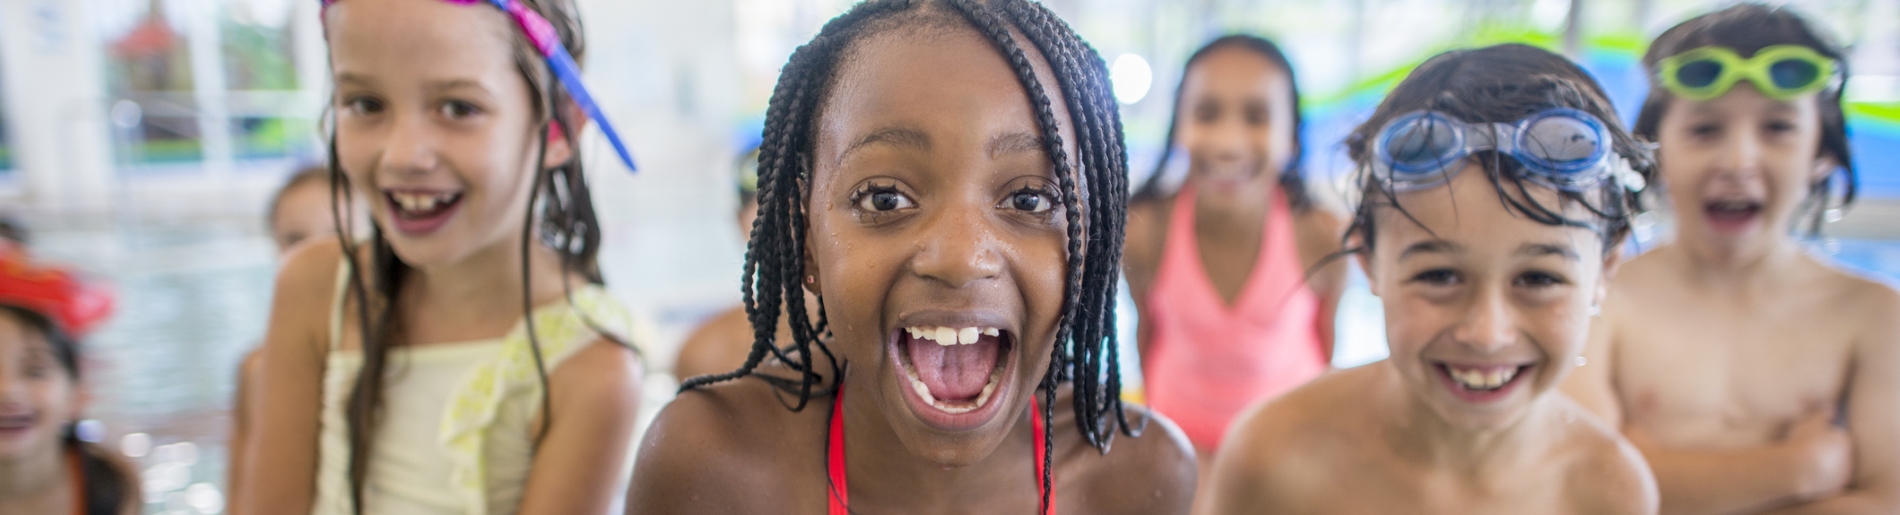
(959, 246)
(1741, 156)
(410, 146)
(1489, 324)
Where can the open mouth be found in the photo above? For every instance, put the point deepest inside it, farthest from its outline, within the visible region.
(15, 424)
(419, 212)
(953, 373)
(1483, 383)
(1731, 214)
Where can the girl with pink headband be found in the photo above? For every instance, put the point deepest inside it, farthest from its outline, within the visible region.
(464, 357)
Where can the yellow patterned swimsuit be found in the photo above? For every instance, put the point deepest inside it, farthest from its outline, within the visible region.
(455, 435)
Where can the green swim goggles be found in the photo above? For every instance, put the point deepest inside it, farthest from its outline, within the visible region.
(1780, 72)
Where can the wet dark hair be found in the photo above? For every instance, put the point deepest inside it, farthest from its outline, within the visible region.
(1293, 178)
(1085, 348)
(1746, 29)
(109, 485)
(566, 223)
(1503, 84)
(298, 179)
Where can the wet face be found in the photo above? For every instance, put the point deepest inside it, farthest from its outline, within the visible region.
(1236, 118)
(38, 396)
(303, 212)
(936, 237)
(1737, 167)
(1484, 307)
(442, 136)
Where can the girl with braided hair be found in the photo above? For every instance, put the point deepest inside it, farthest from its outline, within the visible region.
(1495, 188)
(464, 359)
(947, 178)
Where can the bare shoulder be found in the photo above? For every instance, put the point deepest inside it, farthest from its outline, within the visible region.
(1148, 473)
(728, 448)
(1605, 473)
(1320, 227)
(1303, 443)
(304, 295)
(605, 374)
(1147, 232)
(719, 345)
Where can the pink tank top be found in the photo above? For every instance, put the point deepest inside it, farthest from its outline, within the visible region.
(1208, 361)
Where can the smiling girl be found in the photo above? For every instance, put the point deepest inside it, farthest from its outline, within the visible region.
(466, 360)
(44, 466)
(947, 177)
(1495, 188)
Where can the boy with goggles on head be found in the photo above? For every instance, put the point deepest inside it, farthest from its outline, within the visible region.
(1756, 378)
(1495, 189)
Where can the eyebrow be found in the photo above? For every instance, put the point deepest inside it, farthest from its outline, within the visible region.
(893, 136)
(1431, 247)
(1014, 143)
(1547, 249)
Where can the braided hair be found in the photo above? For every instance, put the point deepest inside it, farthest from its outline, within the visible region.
(1293, 178)
(1085, 350)
(1501, 84)
(560, 201)
(1747, 28)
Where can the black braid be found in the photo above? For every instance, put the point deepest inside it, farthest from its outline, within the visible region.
(1085, 353)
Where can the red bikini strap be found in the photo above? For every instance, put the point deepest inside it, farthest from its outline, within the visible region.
(839, 500)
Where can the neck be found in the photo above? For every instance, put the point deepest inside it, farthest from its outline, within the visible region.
(1245, 205)
(886, 477)
(36, 484)
(1723, 266)
(489, 279)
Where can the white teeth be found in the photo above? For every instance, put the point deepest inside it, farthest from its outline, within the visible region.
(416, 202)
(1475, 379)
(952, 335)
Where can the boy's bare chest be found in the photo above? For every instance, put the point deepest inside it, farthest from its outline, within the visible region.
(1399, 491)
(1722, 376)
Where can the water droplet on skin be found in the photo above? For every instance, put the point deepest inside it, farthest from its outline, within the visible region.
(1581, 361)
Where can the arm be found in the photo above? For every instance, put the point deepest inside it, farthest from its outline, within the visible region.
(1140, 259)
(596, 396)
(1873, 419)
(240, 427)
(280, 456)
(1809, 464)
(1319, 236)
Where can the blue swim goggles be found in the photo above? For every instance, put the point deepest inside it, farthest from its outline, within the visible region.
(1563, 148)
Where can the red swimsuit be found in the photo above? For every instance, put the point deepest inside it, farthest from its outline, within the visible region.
(840, 498)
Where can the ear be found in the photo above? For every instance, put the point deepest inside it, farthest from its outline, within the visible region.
(560, 150)
(1364, 257)
(1611, 263)
(1823, 167)
(813, 282)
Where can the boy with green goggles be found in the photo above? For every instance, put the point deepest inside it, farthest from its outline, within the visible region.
(1780, 72)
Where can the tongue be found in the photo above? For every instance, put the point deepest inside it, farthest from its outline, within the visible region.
(954, 372)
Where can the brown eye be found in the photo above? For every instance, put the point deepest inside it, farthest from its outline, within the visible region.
(1033, 202)
(880, 200)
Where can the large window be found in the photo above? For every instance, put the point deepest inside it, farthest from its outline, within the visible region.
(212, 83)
